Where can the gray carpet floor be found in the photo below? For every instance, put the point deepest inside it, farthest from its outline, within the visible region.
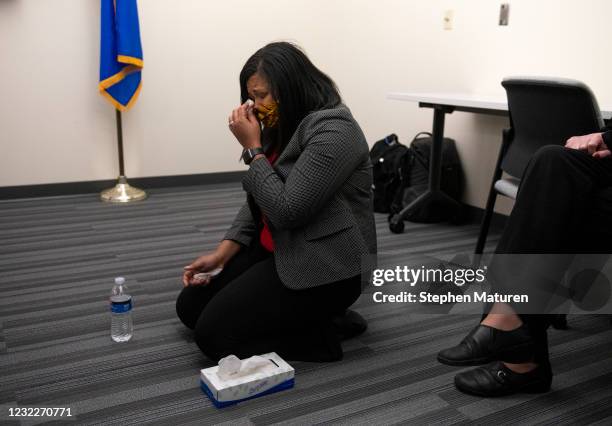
(58, 258)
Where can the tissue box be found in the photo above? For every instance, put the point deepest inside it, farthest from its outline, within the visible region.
(277, 377)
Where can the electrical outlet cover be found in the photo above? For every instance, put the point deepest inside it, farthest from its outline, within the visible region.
(449, 17)
(504, 14)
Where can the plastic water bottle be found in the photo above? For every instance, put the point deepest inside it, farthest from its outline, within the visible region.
(122, 327)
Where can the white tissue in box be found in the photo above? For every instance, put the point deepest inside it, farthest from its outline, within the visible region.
(277, 373)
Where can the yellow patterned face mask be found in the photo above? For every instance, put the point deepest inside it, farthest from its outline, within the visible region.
(268, 114)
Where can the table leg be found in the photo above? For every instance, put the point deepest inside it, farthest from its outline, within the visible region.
(435, 159)
(433, 196)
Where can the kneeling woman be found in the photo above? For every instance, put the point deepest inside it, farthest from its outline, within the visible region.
(293, 258)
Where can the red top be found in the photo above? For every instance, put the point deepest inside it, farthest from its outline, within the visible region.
(265, 237)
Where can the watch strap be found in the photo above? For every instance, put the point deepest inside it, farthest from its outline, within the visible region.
(249, 154)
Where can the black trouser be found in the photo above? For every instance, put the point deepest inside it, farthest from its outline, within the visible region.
(557, 211)
(246, 310)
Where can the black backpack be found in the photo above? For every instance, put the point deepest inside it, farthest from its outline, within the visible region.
(386, 155)
(415, 179)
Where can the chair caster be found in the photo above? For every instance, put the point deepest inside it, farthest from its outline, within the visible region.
(395, 226)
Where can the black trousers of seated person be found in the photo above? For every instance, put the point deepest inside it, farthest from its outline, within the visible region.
(246, 310)
(560, 209)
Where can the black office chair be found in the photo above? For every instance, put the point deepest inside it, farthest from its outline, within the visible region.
(543, 111)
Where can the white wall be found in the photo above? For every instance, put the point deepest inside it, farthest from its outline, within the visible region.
(54, 127)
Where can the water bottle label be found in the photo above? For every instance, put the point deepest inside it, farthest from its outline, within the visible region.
(121, 304)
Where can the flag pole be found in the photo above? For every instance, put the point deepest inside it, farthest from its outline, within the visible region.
(122, 192)
(120, 142)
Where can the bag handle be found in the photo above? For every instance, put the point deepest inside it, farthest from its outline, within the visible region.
(424, 162)
(421, 134)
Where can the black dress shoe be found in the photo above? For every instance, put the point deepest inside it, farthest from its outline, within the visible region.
(495, 379)
(349, 325)
(485, 344)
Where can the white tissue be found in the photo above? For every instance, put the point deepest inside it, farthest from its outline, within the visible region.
(231, 367)
(255, 363)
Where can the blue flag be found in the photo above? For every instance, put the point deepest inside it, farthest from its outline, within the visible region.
(121, 59)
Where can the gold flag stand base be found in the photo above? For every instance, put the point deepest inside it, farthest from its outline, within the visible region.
(122, 193)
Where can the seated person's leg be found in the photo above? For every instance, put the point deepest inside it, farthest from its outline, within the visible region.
(256, 314)
(554, 195)
(555, 189)
(192, 299)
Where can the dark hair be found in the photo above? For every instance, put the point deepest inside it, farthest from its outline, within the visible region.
(295, 83)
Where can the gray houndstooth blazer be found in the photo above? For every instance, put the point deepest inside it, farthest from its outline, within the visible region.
(317, 200)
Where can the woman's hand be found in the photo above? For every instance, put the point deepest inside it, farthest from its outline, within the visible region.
(245, 126)
(592, 144)
(224, 252)
(204, 263)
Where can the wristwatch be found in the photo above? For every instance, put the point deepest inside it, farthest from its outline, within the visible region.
(249, 154)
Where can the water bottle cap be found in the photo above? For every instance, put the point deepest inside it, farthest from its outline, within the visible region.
(119, 280)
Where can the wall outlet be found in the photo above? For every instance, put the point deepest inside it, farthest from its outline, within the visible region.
(504, 14)
(449, 18)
